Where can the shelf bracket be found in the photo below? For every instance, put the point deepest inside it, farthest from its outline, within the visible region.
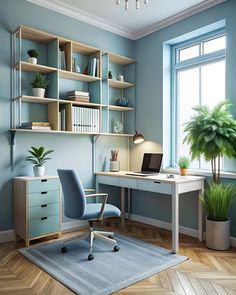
(13, 136)
(12, 143)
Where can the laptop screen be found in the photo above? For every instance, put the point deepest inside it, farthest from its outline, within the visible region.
(152, 162)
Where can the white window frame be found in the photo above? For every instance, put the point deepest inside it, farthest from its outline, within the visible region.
(187, 64)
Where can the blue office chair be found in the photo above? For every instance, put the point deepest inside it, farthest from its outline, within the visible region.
(75, 207)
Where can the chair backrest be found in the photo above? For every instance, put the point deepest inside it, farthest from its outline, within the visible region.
(74, 196)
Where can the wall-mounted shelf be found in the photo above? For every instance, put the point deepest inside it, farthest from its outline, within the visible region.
(28, 67)
(119, 84)
(65, 62)
(77, 76)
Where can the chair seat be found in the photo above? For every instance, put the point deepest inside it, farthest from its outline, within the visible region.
(92, 211)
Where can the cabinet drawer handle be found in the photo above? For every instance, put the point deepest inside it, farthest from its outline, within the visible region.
(44, 180)
(43, 218)
(44, 205)
(44, 193)
(157, 182)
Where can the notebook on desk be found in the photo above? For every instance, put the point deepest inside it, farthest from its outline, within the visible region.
(151, 165)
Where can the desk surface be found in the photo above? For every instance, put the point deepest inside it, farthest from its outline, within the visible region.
(160, 177)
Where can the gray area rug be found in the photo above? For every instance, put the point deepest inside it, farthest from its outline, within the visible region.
(109, 271)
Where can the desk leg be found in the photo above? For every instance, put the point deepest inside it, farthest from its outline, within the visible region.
(122, 208)
(200, 214)
(175, 219)
(129, 204)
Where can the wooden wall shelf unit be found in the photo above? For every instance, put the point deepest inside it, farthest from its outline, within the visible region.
(71, 66)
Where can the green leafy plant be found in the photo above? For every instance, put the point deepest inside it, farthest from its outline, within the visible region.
(184, 162)
(38, 155)
(218, 199)
(212, 133)
(40, 81)
(33, 53)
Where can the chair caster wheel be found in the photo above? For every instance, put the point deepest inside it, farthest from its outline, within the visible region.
(64, 249)
(111, 237)
(116, 248)
(90, 257)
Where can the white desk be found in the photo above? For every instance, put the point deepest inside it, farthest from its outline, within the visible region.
(158, 184)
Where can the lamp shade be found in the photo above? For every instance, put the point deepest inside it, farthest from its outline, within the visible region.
(138, 137)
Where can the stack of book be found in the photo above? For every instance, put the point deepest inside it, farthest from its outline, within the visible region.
(36, 125)
(85, 120)
(76, 95)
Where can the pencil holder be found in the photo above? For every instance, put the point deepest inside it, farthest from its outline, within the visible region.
(114, 166)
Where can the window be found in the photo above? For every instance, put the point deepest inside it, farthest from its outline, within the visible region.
(198, 79)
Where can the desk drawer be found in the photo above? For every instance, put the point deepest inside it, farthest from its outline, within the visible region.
(37, 199)
(37, 186)
(40, 227)
(128, 182)
(157, 187)
(37, 212)
(107, 180)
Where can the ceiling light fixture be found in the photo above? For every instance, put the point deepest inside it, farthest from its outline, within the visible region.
(127, 3)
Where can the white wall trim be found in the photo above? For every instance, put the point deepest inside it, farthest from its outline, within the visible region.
(7, 236)
(177, 17)
(73, 225)
(68, 10)
(163, 224)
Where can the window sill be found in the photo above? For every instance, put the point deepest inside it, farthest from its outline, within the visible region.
(206, 173)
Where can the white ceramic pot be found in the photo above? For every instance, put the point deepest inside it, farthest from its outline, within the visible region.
(32, 60)
(217, 234)
(114, 166)
(39, 170)
(39, 92)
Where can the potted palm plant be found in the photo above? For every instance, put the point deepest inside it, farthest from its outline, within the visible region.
(33, 55)
(38, 157)
(184, 163)
(39, 85)
(212, 134)
(216, 203)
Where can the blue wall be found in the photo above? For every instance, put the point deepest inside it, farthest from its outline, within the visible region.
(70, 151)
(152, 98)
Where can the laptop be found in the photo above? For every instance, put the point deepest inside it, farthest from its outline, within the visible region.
(151, 165)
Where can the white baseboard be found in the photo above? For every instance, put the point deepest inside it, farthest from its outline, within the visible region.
(162, 224)
(73, 225)
(7, 236)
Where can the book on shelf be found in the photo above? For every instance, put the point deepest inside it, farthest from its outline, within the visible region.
(62, 60)
(62, 120)
(27, 124)
(36, 127)
(85, 120)
(77, 92)
(78, 98)
(92, 68)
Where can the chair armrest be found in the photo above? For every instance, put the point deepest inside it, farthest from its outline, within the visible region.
(100, 216)
(88, 190)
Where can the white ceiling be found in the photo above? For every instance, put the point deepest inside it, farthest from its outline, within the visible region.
(130, 23)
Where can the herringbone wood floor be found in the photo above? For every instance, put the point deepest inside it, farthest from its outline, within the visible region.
(206, 271)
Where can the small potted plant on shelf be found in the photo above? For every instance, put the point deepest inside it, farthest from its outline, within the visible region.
(39, 85)
(114, 163)
(184, 163)
(38, 157)
(33, 55)
(212, 134)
